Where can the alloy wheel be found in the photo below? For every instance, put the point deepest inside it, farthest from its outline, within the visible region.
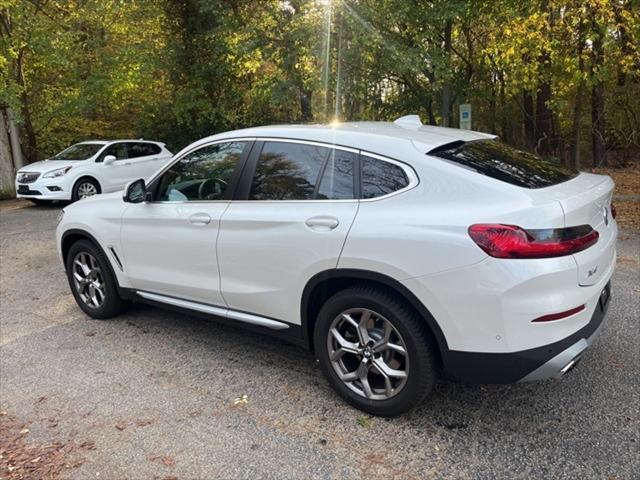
(86, 189)
(88, 280)
(368, 354)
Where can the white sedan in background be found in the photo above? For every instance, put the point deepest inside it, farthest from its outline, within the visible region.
(89, 168)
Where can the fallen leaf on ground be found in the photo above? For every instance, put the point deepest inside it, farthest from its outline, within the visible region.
(241, 400)
(166, 460)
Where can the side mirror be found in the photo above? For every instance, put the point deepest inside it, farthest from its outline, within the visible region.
(109, 159)
(135, 191)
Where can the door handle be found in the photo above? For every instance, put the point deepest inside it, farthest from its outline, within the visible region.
(322, 223)
(200, 219)
(127, 163)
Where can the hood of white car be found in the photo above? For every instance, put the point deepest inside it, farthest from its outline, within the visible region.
(47, 165)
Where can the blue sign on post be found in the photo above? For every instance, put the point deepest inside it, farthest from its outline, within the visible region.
(465, 116)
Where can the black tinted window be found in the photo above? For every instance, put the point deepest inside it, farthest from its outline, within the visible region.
(142, 149)
(337, 179)
(380, 177)
(287, 171)
(502, 162)
(118, 150)
(202, 174)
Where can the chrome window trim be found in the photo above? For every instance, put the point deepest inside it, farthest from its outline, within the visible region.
(414, 180)
(411, 174)
(308, 142)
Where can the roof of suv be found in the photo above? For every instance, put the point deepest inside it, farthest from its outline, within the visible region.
(361, 134)
(107, 142)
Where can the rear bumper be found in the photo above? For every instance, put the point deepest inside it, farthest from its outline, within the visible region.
(547, 361)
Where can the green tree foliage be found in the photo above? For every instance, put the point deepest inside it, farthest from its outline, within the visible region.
(559, 76)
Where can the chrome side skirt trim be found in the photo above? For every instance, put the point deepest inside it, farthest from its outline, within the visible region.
(219, 311)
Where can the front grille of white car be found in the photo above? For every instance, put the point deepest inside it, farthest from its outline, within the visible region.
(27, 177)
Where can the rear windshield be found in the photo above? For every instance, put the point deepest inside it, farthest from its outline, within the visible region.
(79, 151)
(502, 162)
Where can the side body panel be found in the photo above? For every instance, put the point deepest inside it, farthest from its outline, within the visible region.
(167, 248)
(268, 252)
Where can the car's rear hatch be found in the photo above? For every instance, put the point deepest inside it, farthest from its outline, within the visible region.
(586, 200)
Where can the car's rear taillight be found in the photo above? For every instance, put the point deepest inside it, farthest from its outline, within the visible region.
(510, 241)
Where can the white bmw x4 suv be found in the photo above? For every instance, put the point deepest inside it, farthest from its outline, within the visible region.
(393, 250)
(89, 168)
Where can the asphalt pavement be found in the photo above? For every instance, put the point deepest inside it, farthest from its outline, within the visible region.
(155, 394)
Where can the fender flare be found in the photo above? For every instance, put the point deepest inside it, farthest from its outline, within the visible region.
(367, 275)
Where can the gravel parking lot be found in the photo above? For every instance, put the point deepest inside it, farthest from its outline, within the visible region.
(154, 394)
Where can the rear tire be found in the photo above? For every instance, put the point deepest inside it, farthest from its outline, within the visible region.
(92, 281)
(370, 376)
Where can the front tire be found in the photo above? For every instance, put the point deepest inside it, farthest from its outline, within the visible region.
(92, 282)
(85, 187)
(375, 350)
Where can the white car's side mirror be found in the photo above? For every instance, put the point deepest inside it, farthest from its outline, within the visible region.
(109, 159)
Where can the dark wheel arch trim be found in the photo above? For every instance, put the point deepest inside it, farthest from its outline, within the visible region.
(367, 275)
(83, 234)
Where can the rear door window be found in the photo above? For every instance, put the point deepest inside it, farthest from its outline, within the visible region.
(502, 162)
(118, 150)
(142, 149)
(337, 180)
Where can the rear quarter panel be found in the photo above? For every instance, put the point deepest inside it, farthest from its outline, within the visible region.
(423, 231)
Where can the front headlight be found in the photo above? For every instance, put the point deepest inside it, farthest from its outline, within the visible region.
(58, 172)
(60, 215)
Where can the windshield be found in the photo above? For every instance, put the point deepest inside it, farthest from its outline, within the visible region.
(502, 162)
(79, 151)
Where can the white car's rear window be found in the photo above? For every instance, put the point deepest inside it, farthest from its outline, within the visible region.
(502, 162)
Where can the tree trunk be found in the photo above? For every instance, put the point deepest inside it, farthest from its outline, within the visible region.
(597, 97)
(544, 116)
(543, 120)
(7, 171)
(430, 115)
(575, 129)
(598, 125)
(305, 105)
(14, 136)
(31, 144)
(577, 106)
(529, 125)
(445, 98)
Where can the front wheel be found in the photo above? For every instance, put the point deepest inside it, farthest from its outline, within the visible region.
(92, 282)
(85, 187)
(375, 350)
